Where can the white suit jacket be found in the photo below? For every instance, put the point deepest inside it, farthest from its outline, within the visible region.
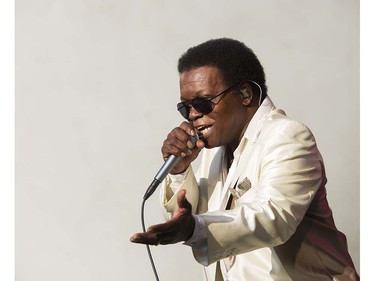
(280, 227)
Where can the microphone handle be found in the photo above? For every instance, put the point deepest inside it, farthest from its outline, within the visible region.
(164, 171)
(159, 177)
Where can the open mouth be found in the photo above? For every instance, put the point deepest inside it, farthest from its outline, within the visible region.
(203, 131)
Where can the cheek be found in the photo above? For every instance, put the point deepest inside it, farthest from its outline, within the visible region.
(226, 119)
(229, 124)
(222, 128)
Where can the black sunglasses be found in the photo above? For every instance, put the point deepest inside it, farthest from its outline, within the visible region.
(202, 105)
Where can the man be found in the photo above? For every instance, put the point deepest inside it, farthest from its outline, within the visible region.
(257, 207)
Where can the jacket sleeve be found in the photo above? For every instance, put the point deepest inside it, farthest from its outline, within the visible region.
(168, 197)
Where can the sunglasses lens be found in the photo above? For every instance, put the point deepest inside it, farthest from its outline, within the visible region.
(201, 105)
(183, 109)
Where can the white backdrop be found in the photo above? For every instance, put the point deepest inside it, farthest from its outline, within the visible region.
(96, 88)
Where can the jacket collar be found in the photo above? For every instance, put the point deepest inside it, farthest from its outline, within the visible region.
(255, 125)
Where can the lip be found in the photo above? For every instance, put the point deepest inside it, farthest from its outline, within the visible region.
(204, 131)
(200, 127)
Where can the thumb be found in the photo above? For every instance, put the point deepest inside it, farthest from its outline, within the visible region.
(182, 202)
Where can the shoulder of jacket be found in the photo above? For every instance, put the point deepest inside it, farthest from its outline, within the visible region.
(279, 121)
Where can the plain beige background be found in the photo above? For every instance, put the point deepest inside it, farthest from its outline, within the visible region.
(96, 88)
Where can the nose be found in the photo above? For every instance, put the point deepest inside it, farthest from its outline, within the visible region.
(194, 114)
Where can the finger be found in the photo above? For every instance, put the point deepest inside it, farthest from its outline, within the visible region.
(191, 131)
(175, 146)
(163, 228)
(188, 128)
(145, 238)
(199, 144)
(177, 143)
(182, 201)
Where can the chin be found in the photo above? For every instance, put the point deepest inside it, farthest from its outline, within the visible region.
(206, 144)
(209, 144)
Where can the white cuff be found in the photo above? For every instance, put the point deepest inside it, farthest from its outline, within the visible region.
(177, 180)
(200, 232)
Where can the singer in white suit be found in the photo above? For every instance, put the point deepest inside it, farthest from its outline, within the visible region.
(256, 209)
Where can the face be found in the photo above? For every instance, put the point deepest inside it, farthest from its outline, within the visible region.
(226, 123)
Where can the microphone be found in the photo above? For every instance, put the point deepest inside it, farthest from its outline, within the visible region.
(164, 170)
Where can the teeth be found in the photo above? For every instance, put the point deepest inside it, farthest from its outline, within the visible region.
(201, 128)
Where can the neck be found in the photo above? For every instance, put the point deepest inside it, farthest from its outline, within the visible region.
(231, 147)
(229, 156)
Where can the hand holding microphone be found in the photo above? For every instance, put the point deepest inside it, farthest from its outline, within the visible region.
(179, 149)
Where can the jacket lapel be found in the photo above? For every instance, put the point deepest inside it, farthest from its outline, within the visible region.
(243, 151)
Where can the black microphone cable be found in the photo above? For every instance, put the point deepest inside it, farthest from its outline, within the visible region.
(147, 246)
(150, 190)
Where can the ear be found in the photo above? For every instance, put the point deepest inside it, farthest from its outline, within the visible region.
(246, 94)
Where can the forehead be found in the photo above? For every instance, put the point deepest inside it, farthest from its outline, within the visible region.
(200, 81)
